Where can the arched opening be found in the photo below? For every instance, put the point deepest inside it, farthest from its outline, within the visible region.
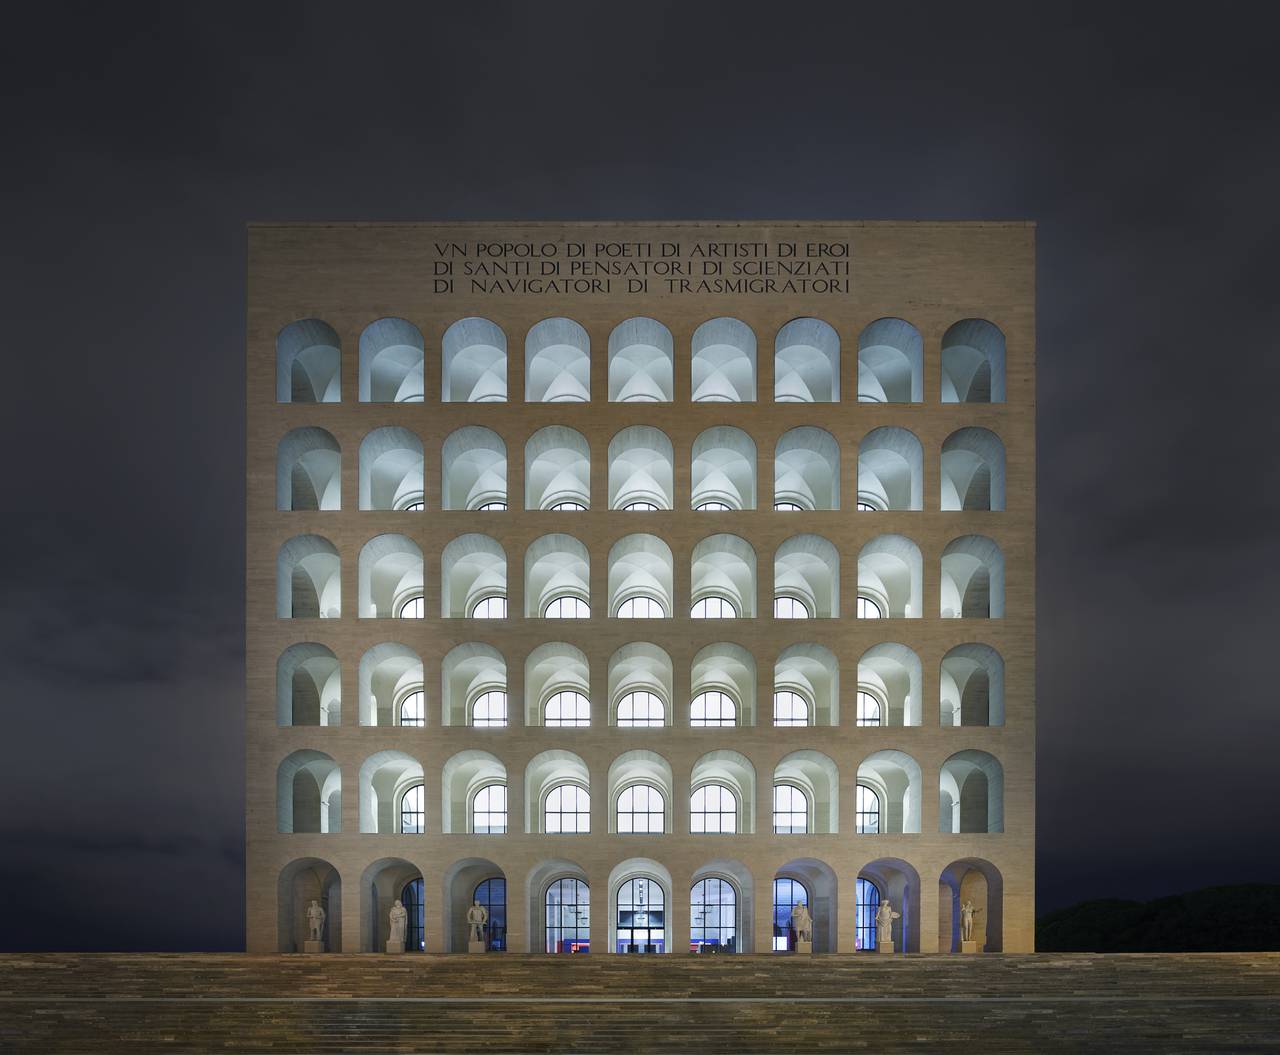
(806, 569)
(973, 887)
(889, 679)
(641, 362)
(816, 811)
(973, 363)
(474, 357)
(473, 788)
(806, 471)
(391, 581)
(303, 883)
(641, 578)
(723, 470)
(474, 881)
(722, 801)
(640, 794)
(308, 363)
(723, 686)
(724, 362)
(308, 471)
(971, 794)
(723, 578)
(565, 903)
(473, 464)
(391, 687)
(391, 470)
(392, 799)
(895, 885)
(640, 681)
(557, 470)
(308, 794)
(382, 884)
(972, 471)
(890, 470)
(722, 908)
(971, 686)
(557, 578)
(889, 579)
(895, 778)
(473, 684)
(639, 922)
(308, 686)
(557, 794)
(557, 686)
(806, 363)
(557, 363)
(308, 579)
(391, 362)
(641, 470)
(473, 574)
(890, 363)
(811, 673)
(812, 883)
(972, 579)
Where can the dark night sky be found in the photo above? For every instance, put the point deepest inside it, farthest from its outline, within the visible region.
(138, 145)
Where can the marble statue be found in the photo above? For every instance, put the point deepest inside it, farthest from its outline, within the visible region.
(315, 920)
(802, 921)
(967, 912)
(399, 921)
(884, 921)
(477, 917)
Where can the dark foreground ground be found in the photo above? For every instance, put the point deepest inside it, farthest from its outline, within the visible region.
(1132, 1003)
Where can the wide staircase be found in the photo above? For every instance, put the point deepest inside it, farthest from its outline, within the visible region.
(502, 1003)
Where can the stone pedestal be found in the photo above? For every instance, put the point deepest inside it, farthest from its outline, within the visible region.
(395, 947)
(476, 947)
(968, 946)
(804, 948)
(885, 948)
(313, 946)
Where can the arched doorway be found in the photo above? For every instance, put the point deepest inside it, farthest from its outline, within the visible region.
(640, 923)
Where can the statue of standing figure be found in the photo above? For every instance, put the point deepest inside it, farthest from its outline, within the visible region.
(478, 918)
(802, 921)
(967, 912)
(315, 920)
(399, 922)
(884, 922)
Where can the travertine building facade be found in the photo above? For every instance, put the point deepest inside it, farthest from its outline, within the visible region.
(639, 581)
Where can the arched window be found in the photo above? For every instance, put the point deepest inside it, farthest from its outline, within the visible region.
(641, 607)
(412, 608)
(713, 507)
(568, 916)
(492, 894)
(567, 507)
(787, 507)
(492, 507)
(866, 507)
(489, 810)
(489, 709)
(713, 608)
(785, 606)
(640, 507)
(869, 710)
(641, 810)
(641, 709)
(412, 813)
(492, 607)
(868, 608)
(868, 904)
(713, 915)
(567, 810)
(567, 708)
(790, 810)
(413, 710)
(868, 811)
(414, 507)
(713, 810)
(641, 922)
(567, 608)
(790, 708)
(787, 893)
(413, 899)
(713, 708)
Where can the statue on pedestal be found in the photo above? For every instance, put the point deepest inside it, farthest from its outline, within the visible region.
(315, 920)
(399, 921)
(802, 922)
(967, 912)
(884, 922)
(478, 918)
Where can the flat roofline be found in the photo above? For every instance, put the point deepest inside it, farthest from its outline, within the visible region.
(639, 223)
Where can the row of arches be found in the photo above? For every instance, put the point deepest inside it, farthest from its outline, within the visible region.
(641, 460)
(641, 579)
(642, 793)
(553, 906)
(639, 684)
(641, 362)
